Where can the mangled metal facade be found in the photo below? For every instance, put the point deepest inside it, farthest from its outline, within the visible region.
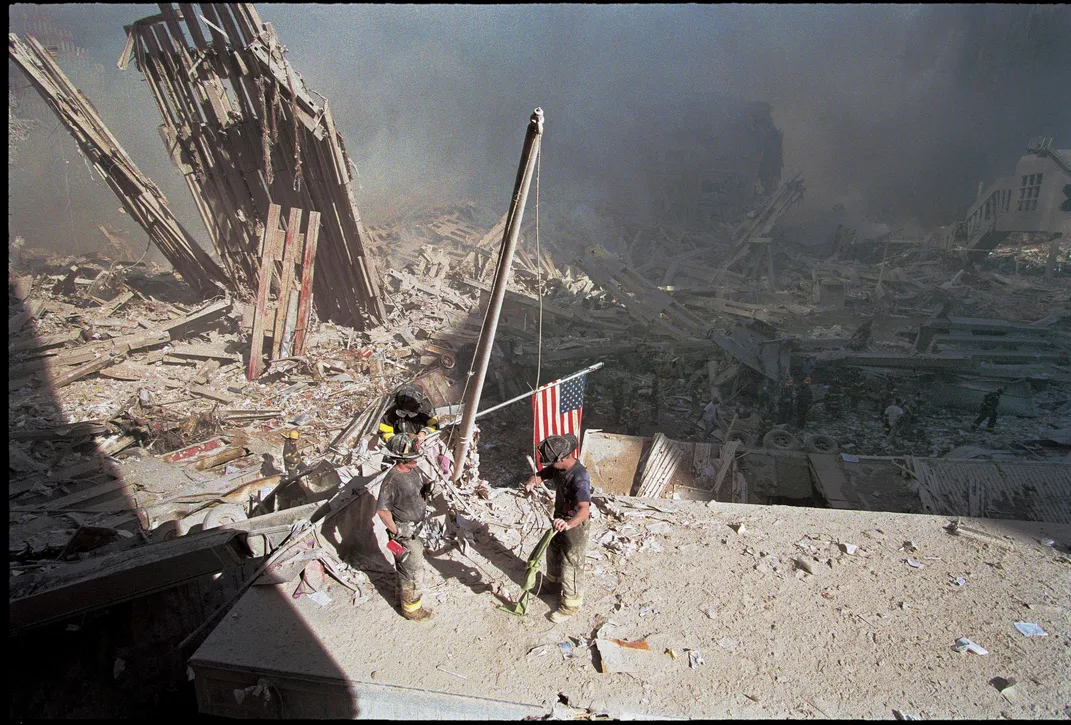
(246, 133)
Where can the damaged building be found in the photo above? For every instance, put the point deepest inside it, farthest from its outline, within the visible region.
(817, 471)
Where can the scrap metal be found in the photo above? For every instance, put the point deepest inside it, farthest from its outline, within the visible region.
(246, 133)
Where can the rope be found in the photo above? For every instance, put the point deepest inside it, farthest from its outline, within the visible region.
(539, 277)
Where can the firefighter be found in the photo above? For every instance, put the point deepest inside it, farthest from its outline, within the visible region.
(708, 422)
(833, 400)
(857, 390)
(785, 403)
(804, 399)
(892, 418)
(410, 412)
(989, 409)
(402, 506)
(572, 508)
(292, 459)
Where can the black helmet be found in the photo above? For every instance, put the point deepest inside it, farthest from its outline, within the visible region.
(401, 447)
(408, 400)
(557, 448)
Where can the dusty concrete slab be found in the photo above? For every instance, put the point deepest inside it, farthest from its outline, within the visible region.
(863, 635)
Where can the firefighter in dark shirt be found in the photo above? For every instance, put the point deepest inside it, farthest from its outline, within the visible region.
(572, 509)
(402, 506)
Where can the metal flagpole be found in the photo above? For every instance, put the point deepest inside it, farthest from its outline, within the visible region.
(482, 358)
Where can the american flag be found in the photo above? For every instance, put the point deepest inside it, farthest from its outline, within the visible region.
(558, 408)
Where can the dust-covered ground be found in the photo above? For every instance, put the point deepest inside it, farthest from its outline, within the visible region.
(733, 624)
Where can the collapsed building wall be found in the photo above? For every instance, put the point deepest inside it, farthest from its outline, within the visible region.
(138, 194)
(260, 141)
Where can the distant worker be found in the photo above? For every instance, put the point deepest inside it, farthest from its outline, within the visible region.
(785, 403)
(804, 400)
(572, 508)
(765, 424)
(765, 398)
(709, 421)
(292, 458)
(891, 419)
(857, 389)
(889, 397)
(833, 402)
(989, 409)
(402, 506)
(410, 412)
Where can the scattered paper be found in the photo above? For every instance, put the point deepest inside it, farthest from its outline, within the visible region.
(695, 659)
(959, 581)
(1029, 629)
(320, 598)
(965, 645)
(913, 563)
(849, 458)
(849, 548)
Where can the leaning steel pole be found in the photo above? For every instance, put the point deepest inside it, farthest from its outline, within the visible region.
(498, 291)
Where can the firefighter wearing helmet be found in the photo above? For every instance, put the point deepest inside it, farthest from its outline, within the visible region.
(292, 458)
(402, 506)
(572, 509)
(410, 412)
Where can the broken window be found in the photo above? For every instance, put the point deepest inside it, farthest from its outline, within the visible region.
(1029, 192)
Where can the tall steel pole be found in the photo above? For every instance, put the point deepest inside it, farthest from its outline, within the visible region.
(498, 291)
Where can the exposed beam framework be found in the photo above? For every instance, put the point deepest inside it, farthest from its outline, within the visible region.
(246, 133)
(139, 196)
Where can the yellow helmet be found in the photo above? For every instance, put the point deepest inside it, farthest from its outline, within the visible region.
(293, 435)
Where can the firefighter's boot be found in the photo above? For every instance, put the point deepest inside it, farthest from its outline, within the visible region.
(413, 609)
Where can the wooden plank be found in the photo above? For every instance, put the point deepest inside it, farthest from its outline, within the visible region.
(28, 312)
(117, 487)
(115, 304)
(41, 343)
(260, 315)
(203, 352)
(728, 456)
(211, 394)
(282, 303)
(312, 235)
(83, 370)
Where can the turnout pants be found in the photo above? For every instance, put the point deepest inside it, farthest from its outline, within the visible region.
(410, 566)
(565, 563)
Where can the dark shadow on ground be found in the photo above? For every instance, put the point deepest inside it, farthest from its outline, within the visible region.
(110, 648)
